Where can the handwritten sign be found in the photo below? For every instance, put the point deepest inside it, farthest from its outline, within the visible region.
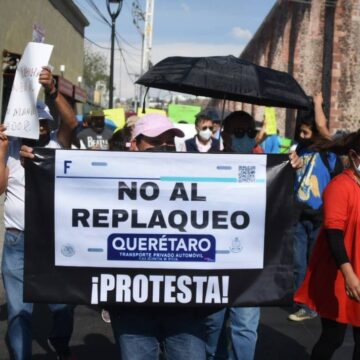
(183, 112)
(150, 111)
(21, 118)
(270, 119)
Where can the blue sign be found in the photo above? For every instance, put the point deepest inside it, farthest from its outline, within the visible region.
(160, 247)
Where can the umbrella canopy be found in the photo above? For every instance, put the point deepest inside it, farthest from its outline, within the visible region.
(226, 77)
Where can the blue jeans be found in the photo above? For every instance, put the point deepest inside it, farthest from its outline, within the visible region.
(305, 234)
(19, 312)
(139, 333)
(216, 335)
(243, 323)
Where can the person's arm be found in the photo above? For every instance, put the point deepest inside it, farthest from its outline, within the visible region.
(320, 118)
(336, 212)
(335, 240)
(68, 119)
(4, 170)
(261, 135)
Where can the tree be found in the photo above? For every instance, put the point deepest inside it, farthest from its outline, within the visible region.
(95, 67)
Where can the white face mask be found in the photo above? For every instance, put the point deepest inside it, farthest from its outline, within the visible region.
(205, 134)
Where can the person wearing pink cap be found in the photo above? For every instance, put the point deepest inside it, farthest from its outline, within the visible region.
(140, 332)
(155, 132)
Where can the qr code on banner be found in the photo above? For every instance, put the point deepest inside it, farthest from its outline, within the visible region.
(247, 174)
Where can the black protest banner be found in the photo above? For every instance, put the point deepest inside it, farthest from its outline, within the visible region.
(158, 228)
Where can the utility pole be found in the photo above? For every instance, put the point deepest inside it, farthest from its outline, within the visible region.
(146, 34)
(113, 16)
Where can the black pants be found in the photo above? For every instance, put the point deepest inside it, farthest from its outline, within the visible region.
(331, 338)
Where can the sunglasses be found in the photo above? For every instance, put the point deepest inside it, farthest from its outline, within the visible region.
(240, 133)
(204, 128)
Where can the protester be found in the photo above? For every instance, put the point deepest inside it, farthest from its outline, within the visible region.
(121, 139)
(96, 136)
(216, 129)
(332, 284)
(239, 136)
(203, 140)
(131, 121)
(140, 331)
(12, 182)
(310, 182)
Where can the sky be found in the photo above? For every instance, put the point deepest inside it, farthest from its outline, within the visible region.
(180, 28)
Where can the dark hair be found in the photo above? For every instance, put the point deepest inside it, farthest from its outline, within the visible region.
(306, 117)
(341, 145)
(120, 138)
(239, 116)
(201, 117)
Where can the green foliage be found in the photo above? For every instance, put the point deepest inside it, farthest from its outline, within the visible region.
(95, 67)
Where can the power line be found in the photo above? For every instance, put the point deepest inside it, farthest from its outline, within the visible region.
(97, 10)
(122, 55)
(93, 16)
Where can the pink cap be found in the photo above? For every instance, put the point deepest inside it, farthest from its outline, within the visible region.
(153, 125)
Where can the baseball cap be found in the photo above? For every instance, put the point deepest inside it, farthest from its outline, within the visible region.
(96, 113)
(132, 120)
(153, 125)
(43, 111)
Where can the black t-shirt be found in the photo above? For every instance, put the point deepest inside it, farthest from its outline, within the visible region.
(93, 140)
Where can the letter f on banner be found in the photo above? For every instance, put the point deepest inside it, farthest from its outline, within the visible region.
(67, 165)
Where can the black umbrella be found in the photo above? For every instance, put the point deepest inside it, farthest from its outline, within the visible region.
(226, 77)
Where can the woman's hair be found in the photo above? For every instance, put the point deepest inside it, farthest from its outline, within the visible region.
(342, 145)
(306, 117)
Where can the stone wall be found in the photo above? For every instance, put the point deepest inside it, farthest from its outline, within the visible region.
(318, 42)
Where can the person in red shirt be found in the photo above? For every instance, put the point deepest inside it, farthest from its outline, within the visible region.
(332, 285)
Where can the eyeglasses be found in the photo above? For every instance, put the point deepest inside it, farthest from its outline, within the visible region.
(240, 133)
(204, 128)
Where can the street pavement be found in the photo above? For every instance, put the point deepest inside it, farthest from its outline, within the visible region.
(279, 339)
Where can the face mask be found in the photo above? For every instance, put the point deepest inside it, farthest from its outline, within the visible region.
(162, 148)
(357, 168)
(205, 134)
(42, 142)
(305, 143)
(243, 145)
(217, 135)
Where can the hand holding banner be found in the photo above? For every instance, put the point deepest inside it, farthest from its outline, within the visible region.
(189, 229)
(21, 117)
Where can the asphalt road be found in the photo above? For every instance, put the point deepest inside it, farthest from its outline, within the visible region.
(279, 339)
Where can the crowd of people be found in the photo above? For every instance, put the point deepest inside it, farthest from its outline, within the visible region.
(325, 230)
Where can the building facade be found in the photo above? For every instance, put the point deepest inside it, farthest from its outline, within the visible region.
(63, 24)
(318, 42)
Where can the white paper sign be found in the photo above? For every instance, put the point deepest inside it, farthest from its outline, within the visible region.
(159, 210)
(21, 117)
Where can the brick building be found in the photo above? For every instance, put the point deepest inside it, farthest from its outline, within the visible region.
(318, 42)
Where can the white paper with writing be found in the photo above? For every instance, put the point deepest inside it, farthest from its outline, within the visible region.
(21, 117)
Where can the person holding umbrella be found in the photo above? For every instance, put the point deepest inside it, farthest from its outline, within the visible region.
(239, 136)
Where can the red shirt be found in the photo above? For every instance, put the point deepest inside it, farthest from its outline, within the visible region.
(323, 289)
